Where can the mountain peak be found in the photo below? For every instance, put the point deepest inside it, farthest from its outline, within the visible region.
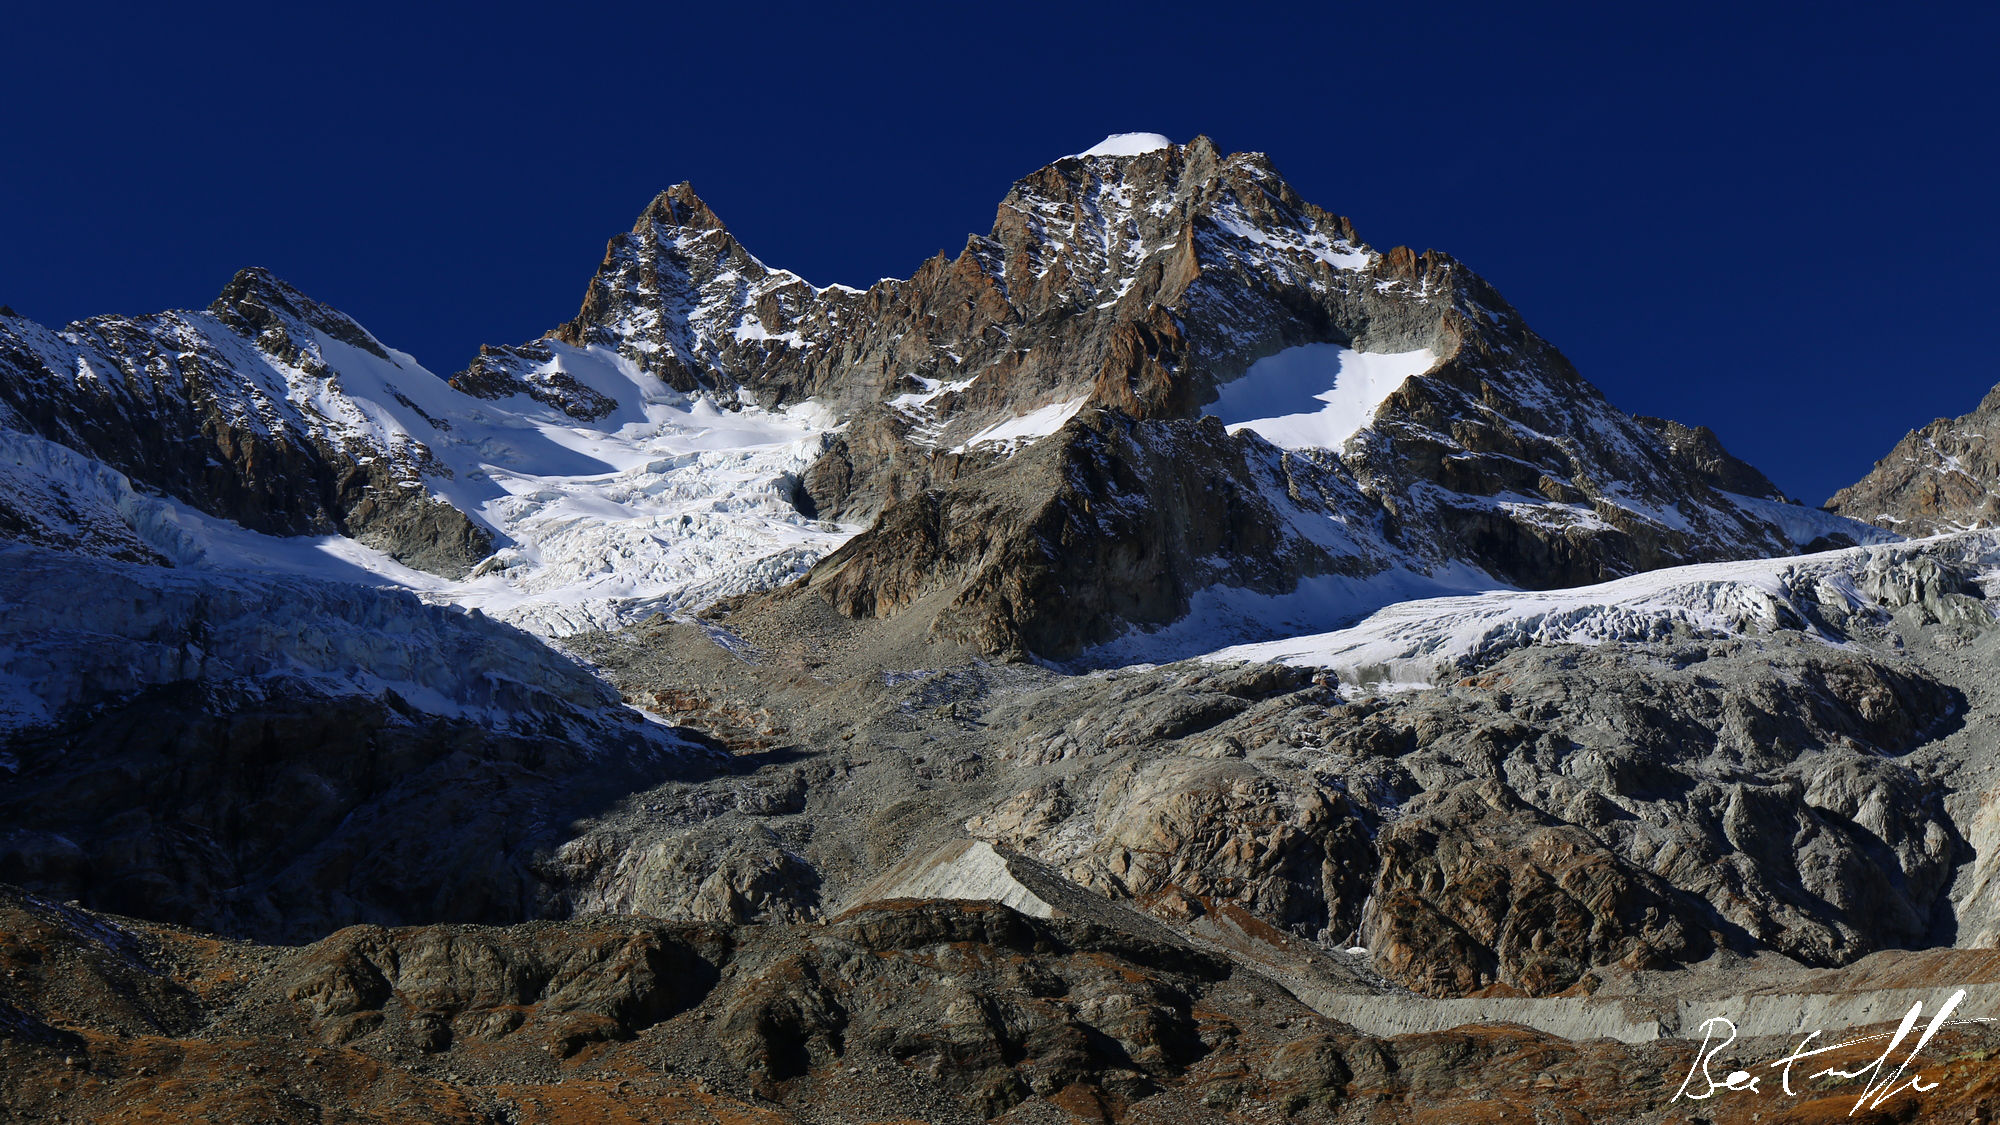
(679, 206)
(258, 283)
(258, 301)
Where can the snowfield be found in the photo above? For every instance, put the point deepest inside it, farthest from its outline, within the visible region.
(1025, 429)
(1314, 396)
(665, 504)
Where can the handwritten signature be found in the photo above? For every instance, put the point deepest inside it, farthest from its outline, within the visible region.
(1882, 1083)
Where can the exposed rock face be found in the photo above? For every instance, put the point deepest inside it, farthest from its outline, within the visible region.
(1106, 523)
(1164, 277)
(1745, 798)
(1561, 811)
(1939, 478)
(1543, 812)
(729, 872)
(1227, 830)
(436, 986)
(217, 409)
(1697, 450)
(1483, 888)
(672, 296)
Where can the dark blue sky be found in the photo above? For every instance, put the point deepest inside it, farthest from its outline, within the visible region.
(1776, 220)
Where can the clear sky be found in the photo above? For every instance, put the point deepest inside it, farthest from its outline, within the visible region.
(1777, 220)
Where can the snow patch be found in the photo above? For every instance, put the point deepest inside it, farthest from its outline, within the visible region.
(1314, 396)
(1024, 429)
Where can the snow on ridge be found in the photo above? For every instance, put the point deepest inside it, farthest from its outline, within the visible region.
(1219, 615)
(1314, 396)
(1335, 252)
(1128, 144)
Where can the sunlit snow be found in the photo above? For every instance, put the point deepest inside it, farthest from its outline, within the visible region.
(1128, 144)
(665, 504)
(1314, 396)
(1023, 429)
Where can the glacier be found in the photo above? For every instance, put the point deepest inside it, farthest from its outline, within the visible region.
(1423, 642)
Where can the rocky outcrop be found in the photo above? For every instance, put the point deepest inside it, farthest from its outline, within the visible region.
(1481, 889)
(1108, 524)
(1548, 812)
(1699, 452)
(952, 1013)
(1938, 478)
(1172, 831)
(1596, 814)
(723, 871)
(433, 987)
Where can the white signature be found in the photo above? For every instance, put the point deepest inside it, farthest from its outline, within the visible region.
(1882, 1083)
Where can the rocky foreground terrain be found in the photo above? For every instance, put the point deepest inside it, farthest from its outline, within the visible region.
(1170, 662)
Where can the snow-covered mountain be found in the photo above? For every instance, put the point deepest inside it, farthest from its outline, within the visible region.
(313, 426)
(1206, 389)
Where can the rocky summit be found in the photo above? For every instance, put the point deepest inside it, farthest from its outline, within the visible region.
(1169, 662)
(1938, 478)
